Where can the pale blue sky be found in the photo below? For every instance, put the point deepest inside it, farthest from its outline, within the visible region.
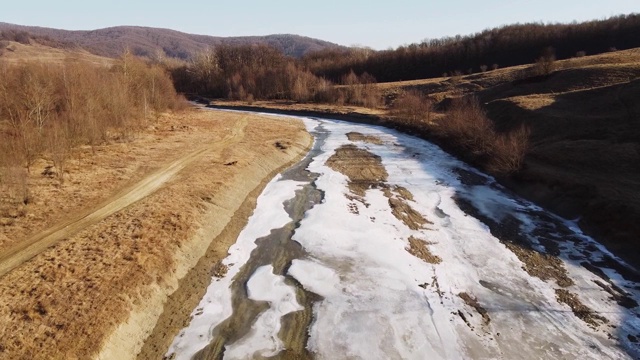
(378, 24)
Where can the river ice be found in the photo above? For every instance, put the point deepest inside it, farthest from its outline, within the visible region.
(379, 302)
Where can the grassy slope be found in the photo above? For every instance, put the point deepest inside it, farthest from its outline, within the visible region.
(17, 52)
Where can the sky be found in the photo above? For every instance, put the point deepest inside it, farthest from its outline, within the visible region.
(376, 24)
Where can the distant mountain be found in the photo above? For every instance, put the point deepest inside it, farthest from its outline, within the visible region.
(146, 41)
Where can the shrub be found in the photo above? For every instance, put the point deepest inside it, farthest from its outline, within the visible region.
(467, 127)
(467, 123)
(545, 64)
(413, 106)
(509, 151)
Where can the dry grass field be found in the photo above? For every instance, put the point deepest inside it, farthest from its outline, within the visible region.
(99, 290)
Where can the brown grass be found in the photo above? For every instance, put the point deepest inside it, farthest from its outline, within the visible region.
(580, 310)
(17, 52)
(66, 301)
(419, 249)
(364, 169)
(356, 136)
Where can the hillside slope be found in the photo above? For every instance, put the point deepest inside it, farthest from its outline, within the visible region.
(146, 41)
(14, 52)
(584, 156)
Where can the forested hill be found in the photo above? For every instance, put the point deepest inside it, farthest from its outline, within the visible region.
(499, 47)
(148, 42)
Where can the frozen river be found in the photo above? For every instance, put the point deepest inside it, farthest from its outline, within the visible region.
(380, 245)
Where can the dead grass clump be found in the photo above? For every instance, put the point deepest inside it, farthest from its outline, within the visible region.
(405, 213)
(541, 265)
(580, 310)
(398, 202)
(473, 302)
(403, 193)
(219, 270)
(356, 136)
(419, 249)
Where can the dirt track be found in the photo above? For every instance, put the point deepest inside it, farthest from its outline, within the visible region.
(36, 244)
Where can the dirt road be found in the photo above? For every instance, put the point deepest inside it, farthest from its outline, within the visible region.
(25, 250)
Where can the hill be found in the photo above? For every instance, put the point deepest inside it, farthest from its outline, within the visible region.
(149, 42)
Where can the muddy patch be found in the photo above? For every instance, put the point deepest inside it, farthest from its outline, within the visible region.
(579, 309)
(419, 249)
(356, 136)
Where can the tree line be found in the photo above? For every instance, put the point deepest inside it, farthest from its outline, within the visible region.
(499, 47)
(259, 72)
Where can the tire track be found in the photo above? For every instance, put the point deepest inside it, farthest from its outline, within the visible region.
(36, 244)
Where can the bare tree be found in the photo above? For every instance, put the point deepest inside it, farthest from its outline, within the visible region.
(59, 145)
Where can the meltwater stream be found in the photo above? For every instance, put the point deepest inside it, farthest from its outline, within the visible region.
(323, 272)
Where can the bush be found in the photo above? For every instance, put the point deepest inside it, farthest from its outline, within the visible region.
(468, 128)
(545, 64)
(413, 106)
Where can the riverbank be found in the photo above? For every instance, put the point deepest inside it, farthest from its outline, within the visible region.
(99, 292)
